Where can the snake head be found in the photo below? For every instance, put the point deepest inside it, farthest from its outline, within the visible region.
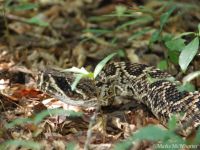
(58, 85)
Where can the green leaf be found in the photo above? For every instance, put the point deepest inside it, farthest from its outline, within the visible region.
(24, 7)
(127, 14)
(183, 34)
(199, 28)
(174, 143)
(71, 146)
(40, 116)
(98, 31)
(37, 21)
(147, 132)
(18, 121)
(175, 44)
(162, 65)
(173, 56)
(197, 137)
(164, 17)
(76, 81)
(150, 79)
(150, 132)
(125, 145)
(21, 143)
(113, 41)
(186, 87)
(137, 21)
(79, 77)
(80, 73)
(155, 36)
(120, 10)
(188, 53)
(121, 53)
(102, 63)
(101, 18)
(172, 123)
(167, 37)
(138, 34)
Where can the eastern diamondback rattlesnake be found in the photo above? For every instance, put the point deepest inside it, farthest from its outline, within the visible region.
(124, 79)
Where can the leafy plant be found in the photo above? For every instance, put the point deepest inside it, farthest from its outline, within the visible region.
(25, 6)
(38, 21)
(127, 18)
(36, 120)
(178, 52)
(162, 65)
(40, 116)
(187, 86)
(20, 5)
(182, 54)
(163, 20)
(21, 143)
(82, 73)
(71, 146)
(188, 53)
(163, 138)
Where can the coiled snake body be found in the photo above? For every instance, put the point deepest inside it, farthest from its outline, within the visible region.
(146, 84)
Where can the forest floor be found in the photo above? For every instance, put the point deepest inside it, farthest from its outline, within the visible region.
(63, 34)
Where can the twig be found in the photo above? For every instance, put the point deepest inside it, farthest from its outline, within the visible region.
(89, 132)
(92, 121)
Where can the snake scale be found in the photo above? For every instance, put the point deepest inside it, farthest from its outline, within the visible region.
(119, 80)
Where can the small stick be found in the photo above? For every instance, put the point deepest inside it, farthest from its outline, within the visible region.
(89, 132)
